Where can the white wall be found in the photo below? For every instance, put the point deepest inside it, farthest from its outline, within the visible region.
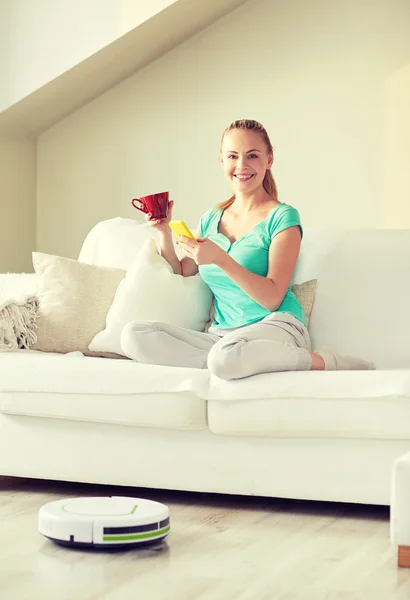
(4, 51)
(396, 208)
(17, 204)
(45, 38)
(318, 74)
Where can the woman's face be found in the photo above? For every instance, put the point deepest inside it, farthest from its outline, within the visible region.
(245, 160)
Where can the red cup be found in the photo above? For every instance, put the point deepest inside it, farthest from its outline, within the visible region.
(156, 204)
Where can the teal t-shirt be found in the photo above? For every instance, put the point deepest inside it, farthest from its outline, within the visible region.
(233, 307)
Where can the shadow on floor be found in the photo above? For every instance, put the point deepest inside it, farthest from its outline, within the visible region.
(61, 489)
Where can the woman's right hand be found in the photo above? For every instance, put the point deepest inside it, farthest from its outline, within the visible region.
(161, 225)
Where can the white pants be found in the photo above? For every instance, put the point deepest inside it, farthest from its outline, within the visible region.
(279, 342)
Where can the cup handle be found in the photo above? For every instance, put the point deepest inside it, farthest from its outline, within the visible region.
(139, 205)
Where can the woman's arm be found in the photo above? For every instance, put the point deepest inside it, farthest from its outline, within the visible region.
(185, 267)
(268, 291)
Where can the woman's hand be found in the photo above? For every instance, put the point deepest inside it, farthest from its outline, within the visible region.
(161, 225)
(202, 251)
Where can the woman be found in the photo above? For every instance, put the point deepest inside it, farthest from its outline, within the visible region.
(246, 251)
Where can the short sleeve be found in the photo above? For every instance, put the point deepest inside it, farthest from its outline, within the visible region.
(284, 217)
(204, 222)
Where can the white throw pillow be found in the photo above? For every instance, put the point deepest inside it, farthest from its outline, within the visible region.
(151, 291)
(116, 243)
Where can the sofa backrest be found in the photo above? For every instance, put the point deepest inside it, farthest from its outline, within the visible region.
(363, 289)
(363, 292)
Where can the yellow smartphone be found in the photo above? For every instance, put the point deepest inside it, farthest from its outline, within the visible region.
(180, 228)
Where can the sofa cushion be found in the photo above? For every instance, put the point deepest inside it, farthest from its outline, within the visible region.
(362, 277)
(80, 388)
(344, 404)
(151, 291)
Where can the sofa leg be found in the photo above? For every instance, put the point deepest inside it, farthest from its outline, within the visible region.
(404, 557)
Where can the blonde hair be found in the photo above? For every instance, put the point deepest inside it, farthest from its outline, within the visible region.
(268, 183)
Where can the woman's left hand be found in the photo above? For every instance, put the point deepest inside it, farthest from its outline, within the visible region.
(202, 250)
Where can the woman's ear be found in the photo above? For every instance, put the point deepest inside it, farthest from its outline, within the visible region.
(270, 160)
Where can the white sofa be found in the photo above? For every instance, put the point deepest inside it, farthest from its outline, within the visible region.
(309, 435)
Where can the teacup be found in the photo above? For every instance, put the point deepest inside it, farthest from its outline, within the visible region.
(155, 204)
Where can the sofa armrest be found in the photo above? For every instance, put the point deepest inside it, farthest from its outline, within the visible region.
(14, 286)
(400, 509)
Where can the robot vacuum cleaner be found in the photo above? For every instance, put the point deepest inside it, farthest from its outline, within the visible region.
(114, 522)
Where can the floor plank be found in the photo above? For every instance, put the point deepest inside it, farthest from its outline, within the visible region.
(220, 548)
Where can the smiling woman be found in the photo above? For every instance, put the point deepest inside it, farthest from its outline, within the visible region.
(263, 146)
(246, 251)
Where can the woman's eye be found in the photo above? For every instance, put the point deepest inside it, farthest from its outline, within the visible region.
(233, 156)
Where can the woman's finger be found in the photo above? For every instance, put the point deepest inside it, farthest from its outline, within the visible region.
(186, 251)
(187, 241)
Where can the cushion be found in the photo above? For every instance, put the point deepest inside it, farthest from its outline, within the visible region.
(313, 404)
(305, 293)
(151, 291)
(74, 299)
(116, 243)
(76, 387)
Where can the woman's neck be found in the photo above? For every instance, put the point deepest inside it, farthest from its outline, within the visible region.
(254, 201)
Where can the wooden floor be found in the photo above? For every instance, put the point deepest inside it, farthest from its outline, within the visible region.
(220, 548)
